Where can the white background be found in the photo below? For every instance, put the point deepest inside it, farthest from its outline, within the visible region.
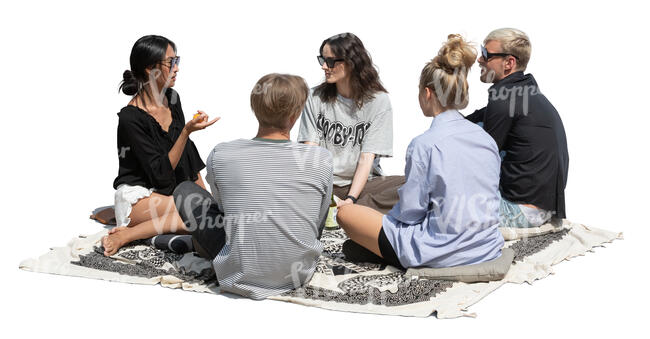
(61, 66)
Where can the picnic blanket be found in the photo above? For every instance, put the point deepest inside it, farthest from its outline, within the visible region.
(337, 284)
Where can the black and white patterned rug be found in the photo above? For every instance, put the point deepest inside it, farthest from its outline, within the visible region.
(337, 284)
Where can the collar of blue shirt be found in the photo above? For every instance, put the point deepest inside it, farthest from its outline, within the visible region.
(446, 116)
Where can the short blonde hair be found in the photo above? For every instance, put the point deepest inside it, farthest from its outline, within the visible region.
(278, 98)
(446, 74)
(514, 42)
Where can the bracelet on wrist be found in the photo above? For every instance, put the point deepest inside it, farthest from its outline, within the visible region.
(353, 198)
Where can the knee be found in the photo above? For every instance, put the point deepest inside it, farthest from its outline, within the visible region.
(184, 189)
(343, 215)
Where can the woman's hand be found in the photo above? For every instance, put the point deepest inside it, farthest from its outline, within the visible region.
(199, 122)
(342, 203)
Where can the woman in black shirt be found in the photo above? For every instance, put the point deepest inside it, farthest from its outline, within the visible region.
(154, 149)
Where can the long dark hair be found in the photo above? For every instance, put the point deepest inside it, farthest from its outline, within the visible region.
(364, 79)
(146, 52)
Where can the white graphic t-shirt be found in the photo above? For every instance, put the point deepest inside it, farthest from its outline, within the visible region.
(346, 131)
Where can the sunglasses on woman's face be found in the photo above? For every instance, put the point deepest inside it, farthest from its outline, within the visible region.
(487, 55)
(330, 61)
(174, 61)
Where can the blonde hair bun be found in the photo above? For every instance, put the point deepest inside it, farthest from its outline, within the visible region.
(446, 73)
(455, 53)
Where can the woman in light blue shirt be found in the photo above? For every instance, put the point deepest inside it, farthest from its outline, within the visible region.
(448, 209)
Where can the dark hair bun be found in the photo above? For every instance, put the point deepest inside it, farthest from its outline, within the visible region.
(129, 84)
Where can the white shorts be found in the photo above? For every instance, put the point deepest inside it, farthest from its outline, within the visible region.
(125, 197)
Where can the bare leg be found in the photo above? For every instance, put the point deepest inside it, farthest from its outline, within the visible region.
(151, 207)
(362, 224)
(148, 208)
(150, 216)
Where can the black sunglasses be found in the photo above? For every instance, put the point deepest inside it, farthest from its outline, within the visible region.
(174, 61)
(330, 61)
(487, 55)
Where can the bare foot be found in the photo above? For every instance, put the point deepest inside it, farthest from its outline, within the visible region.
(116, 229)
(114, 241)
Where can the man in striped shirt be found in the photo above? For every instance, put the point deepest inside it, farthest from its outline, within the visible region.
(270, 199)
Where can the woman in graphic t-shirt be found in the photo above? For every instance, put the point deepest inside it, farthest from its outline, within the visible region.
(350, 115)
(154, 149)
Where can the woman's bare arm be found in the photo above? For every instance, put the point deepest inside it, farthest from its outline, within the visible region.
(364, 166)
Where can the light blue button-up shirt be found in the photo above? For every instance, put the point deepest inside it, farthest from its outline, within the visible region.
(448, 209)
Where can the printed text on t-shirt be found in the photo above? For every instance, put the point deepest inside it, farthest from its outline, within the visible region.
(340, 135)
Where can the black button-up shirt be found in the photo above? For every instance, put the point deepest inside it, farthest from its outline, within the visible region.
(143, 148)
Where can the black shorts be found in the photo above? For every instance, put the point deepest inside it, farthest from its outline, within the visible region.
(358, 253)
(387, 250)
(202, 217)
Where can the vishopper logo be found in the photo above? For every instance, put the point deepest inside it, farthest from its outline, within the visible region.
(296, 273)
(324, 160)
(460, 74)
(159, 221)
(462, 212)
(202, 213)
(298, 269)
(369, 284)
(123, 151)
(153, 85)
(195, 202)
(308, 155)
(261, 88)
(342, 35)
(511, 94)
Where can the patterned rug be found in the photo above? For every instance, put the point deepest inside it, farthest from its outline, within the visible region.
(337, 284)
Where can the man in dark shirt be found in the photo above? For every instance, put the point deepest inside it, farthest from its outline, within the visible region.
(527, 128)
